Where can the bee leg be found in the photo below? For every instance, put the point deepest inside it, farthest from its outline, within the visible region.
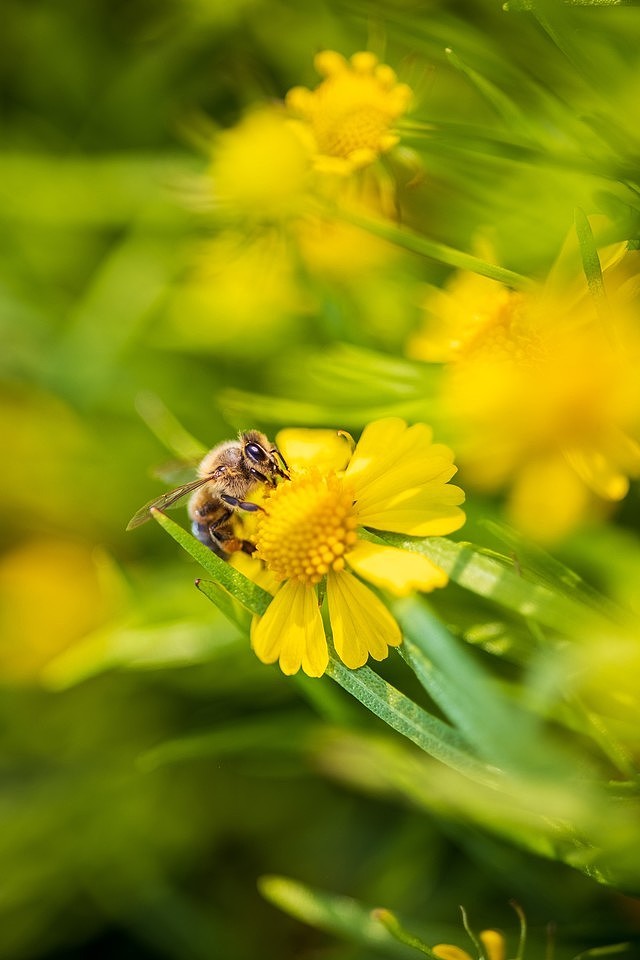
(205, 534)
(223, 540)
(283, 473)
(241, 504)
(231, 544)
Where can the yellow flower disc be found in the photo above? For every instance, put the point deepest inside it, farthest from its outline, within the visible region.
(308, 525)
(352, 112)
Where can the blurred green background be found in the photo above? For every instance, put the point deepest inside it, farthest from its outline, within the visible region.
(109, 849)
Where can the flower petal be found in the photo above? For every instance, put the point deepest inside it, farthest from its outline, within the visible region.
(600, 473)
(548, 499)
(447, 951)
(399, 571)
(377, 449)
(434, 465)
(395, 469)
(291, 631)
(360, 622)
(325, 449)
(430, 511)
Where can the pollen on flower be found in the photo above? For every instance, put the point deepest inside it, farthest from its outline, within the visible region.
(351, 113)
(308, 525)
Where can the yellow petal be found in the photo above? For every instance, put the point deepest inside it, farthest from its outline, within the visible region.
(399, 571)
(432, 466)
(494, 945)
(291, 631)
(360, 622)
(396, 471)
(548, 499)
(377, 449)
(599, 473)
(429, 511)
(447, 951)
(255, 570)
(324, 449)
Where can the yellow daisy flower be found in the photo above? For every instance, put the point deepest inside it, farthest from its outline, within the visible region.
(351, 114)
(395, 479)
(542, 390)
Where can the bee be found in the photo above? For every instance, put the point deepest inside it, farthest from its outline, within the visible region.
(226, 476)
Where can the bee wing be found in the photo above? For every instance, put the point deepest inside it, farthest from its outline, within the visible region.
(165, 500)
(175, 472)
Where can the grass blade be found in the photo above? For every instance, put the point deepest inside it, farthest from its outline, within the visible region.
(249, 594)
(429, 733)
(335, 914)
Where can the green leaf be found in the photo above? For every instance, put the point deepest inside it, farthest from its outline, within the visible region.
(284, 733)
(501, 103)
(335, 914)
(249, 594)
(551, 572)
(472, 700)
(501, 582)
(410, 240)
(238, 405)
(395, 928)
(429, 733)
(224, 601)
(167, 428)
(589, 254)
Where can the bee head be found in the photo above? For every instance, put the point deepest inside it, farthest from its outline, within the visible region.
(264, 460)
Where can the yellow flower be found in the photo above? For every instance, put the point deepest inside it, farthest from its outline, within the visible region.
(396, 479)
(492, 941)
(39, 619)
(252, 281)
(260, 167)
(543, 391)
(352, 112)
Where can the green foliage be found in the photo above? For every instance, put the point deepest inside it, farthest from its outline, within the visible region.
(153, 770)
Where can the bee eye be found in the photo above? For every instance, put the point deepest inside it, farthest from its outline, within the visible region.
(255, 452)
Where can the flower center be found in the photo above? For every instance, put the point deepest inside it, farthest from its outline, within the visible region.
(308, 526)
(502, 332)
(360, 129)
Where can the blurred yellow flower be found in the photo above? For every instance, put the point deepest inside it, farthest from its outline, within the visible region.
(260, 167)
(336, 249)
(52, 594)
(542, 390)
(396, 479)
(241, 297)
(351, 114)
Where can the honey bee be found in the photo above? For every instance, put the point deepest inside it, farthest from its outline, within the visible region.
(226, 476)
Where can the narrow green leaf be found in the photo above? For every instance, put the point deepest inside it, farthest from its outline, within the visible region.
(238, 615)
(341, 916)
(589, 254)
(497, 728)
(391, 922)
(410, 240)
(249, 594)
(167, 428)
(501, 103)
(432, 735)
(237, 405)
(607, 951)
(530, 5)
(284, 733)
(551, 572)
(502, 583)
